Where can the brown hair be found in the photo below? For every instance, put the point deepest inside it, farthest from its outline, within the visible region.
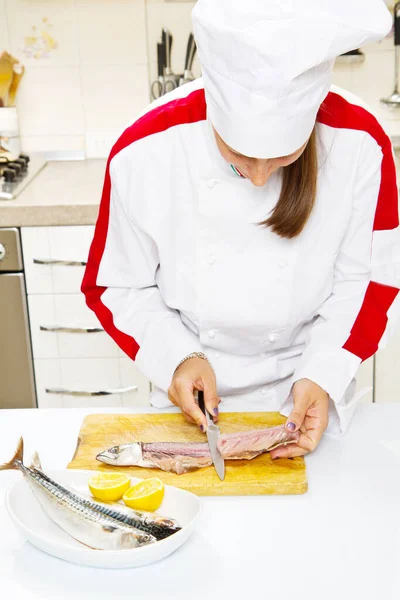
(299, 190)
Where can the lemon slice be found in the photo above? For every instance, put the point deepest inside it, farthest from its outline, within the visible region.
(146, 495)
(109, 486)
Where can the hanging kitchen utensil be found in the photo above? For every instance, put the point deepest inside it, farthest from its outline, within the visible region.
(159, 87)
(169, 75)
(190, 54)
(393, 101)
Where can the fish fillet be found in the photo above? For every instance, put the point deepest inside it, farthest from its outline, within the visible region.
(181, 457)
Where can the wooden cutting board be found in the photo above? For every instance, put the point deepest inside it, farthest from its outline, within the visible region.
(242, 477)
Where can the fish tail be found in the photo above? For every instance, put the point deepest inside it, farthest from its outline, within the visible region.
(17, 458)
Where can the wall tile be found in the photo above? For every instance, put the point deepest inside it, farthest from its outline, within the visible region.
(54, 143)
(50, 103)
(342, 75)
(4, 37)
(47, 21)
(373, 80)
(112, 33)
(113, 96)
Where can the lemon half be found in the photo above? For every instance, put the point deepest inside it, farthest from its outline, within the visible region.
(109, 486)
(146, 495)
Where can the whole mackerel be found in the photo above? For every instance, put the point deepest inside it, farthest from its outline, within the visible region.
(74, 515)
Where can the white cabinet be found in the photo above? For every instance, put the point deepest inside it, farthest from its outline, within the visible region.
(387, 371)
(365, 379)
(53, 258)
(76, 363)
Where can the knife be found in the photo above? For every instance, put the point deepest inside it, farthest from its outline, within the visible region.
(213, 434)
(169, 75)
(190, 54)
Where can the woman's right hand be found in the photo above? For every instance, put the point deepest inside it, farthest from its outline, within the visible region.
(195, 374)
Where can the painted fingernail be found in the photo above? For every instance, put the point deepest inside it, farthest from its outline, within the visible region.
(291, 426)
(202, 428)
(216, 411)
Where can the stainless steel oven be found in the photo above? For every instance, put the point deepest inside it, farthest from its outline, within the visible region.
(17, 384)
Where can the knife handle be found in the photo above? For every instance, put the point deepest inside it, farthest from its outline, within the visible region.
(200, 399)
(202, 406)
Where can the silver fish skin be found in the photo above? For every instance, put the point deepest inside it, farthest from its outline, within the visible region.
(85, 524)
(156, 525)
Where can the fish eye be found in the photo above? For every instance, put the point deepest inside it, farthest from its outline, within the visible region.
(113, 450)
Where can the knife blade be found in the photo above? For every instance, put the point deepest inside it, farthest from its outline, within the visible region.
(213, 434)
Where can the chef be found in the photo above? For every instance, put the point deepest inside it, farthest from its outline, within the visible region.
(247, 242)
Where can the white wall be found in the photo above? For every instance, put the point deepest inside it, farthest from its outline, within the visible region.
(81, 94)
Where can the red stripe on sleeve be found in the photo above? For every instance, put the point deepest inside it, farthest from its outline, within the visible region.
(371, 321)
(337, 112)
(190, 109)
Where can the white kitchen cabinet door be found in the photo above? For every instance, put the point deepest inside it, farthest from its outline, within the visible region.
(42, 312)
(97, 375)
(387, 371)
(130, 375)
(69, 244)
(63, 326)
(365, 379)
(48, 375)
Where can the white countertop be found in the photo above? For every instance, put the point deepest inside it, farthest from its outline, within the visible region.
(341, 540)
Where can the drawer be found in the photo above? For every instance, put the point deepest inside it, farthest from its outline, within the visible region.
(62, 326)
(53, 258)
(84, 380)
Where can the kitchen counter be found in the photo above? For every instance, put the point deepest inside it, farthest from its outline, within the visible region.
(63, 193)
(341, 540)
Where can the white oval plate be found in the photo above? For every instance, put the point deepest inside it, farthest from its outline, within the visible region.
(42, 532)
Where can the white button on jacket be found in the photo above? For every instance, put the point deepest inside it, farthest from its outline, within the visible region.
(159, 218)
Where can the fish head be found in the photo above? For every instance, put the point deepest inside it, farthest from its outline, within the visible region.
(123, 455)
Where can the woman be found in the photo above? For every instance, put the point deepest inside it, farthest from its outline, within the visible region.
(247, 240)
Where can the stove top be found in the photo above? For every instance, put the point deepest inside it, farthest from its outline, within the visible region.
(15, 175)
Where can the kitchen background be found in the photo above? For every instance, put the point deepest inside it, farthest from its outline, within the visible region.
(88, 68)
(88, 65)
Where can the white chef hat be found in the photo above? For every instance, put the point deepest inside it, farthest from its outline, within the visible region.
(267, 64)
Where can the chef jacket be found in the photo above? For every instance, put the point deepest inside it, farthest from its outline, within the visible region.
(179, 262)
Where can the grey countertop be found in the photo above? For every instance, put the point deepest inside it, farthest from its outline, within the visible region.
(63, 193)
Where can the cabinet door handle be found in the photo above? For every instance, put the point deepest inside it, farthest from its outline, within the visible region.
(68, 392)
(65, 329)
(64, 263)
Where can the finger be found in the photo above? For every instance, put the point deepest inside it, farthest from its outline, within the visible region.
(307, 443)
(181, 394)
(190, 407)
(188, 417)
(296, 418)
(211, 398)
(290, 451)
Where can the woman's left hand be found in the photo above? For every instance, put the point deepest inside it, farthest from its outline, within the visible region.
(309, 415)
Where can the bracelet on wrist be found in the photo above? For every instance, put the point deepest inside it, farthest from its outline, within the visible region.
(193, 355)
